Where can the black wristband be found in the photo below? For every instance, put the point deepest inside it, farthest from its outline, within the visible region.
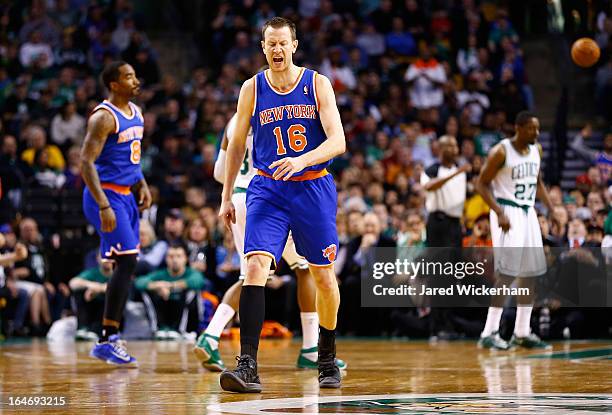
(104, 208)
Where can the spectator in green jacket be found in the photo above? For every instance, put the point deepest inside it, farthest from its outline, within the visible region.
(169, 293)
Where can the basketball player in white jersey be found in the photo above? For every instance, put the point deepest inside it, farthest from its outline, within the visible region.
(207, 346)
(509, 182)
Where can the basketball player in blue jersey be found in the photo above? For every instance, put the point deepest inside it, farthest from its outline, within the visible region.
(296, 133)
(207, 345)
(110, 164)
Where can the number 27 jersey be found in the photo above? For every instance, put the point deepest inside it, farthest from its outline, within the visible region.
(286, 124)
(517, 180)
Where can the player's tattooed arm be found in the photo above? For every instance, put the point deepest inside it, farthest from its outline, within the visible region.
(99, 126)
(493, 164)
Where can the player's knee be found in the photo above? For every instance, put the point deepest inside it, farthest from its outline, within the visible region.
(259, 261)
(325, 280)
(257, 268)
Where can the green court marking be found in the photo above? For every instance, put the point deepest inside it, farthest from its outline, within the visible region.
(602, 353)
(425, 404)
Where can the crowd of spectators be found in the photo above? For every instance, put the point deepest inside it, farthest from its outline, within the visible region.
(404, 74)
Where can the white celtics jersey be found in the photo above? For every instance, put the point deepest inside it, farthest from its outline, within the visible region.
(247, 170)
(517, 180)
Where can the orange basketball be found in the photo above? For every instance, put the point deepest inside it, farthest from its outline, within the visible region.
(585, 52)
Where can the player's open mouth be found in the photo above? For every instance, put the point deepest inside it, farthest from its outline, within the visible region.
(277, 59)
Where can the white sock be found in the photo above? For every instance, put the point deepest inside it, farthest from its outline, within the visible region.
(493, 318)
(310, 333)
(522, 328)
(223, 314)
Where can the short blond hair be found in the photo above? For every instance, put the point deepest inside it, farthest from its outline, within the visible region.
(277, 23)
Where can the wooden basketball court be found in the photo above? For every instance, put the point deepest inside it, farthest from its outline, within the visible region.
(398, 377)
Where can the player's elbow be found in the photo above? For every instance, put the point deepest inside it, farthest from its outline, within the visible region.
(85, 163)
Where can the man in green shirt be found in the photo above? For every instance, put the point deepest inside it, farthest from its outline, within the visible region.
(169, 293)
(88, 289)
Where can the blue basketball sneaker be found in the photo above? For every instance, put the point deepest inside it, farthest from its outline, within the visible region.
(113, 352)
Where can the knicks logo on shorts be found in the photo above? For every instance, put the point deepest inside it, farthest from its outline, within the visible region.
(330, 252)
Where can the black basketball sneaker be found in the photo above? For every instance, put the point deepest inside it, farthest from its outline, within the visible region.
(244, 378)
(329, 373)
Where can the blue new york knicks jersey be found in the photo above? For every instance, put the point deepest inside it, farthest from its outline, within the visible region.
(286, 124)
(119, 161)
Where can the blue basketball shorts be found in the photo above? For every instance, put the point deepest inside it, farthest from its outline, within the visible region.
(306, 208)
(125, 238)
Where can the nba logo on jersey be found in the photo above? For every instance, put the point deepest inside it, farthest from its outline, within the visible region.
(305, 89)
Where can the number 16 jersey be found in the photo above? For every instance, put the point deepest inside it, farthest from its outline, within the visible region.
(286, 124)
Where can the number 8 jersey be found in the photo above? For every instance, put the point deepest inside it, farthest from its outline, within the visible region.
(286, 124)
(119, 161)
(517, 180)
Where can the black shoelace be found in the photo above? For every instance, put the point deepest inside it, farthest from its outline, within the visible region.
(244, 369)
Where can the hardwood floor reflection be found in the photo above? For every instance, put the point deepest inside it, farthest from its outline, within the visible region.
(169, 379)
